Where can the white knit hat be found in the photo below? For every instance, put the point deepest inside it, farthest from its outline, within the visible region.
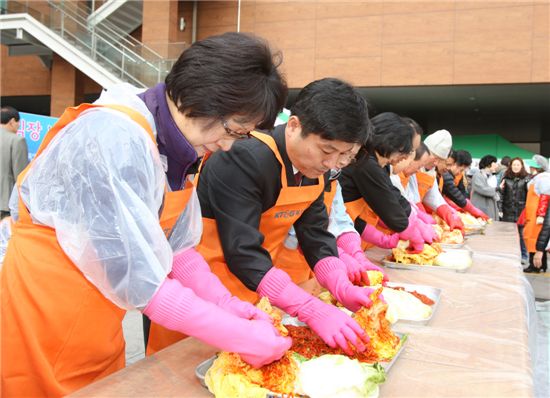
(439, 143)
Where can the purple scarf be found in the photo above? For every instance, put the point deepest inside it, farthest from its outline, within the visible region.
(170, 140)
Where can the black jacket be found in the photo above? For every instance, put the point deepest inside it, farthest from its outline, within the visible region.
(368, 180)
(237, 186)
(451, 191)
(544, 234)
(514, 195)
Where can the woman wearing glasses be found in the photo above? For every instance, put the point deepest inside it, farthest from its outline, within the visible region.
(108, 222)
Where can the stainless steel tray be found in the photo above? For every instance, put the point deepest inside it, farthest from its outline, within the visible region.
(431, 292)
(202, 368)
(393, 264)
(200, 371)
(452, 245)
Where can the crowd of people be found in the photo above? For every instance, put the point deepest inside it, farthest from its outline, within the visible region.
(501, 190)
(185, 202)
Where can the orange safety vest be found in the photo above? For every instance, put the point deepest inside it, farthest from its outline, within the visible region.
(532, 229)
(59, 333)
(292, 260)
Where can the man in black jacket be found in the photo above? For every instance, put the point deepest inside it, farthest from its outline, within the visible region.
(453, 178)
(251, 195)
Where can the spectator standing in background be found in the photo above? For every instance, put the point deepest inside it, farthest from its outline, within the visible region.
(484, 191)
(13, 155)
(536, 205)
(513, 189)
(504, 165)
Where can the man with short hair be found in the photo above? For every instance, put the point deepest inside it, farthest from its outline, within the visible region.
(406, 180)
(251, 195)
(453, 186)
(462, 160)
(13, 155)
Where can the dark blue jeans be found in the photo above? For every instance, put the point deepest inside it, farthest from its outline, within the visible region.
(524, 254)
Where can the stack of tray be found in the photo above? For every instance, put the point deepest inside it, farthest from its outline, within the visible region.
(392, 264)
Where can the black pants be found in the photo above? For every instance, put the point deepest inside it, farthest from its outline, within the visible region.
(146, 329)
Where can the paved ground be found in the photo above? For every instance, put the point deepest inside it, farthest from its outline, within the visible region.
(133, 333)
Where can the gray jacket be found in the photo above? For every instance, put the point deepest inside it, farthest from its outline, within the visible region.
(483, 196)
(13, 159)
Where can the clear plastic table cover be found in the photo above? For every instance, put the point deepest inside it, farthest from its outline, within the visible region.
(480, 343)
(483, 339)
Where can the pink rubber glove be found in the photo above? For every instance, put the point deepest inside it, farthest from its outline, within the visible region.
(426, 230)
(450, 217)
(353, 268)
(425, 217)
(413, 235)
(350, 243)
(474, 211)
(331, 324)
(331, 273)
(192, 271)
(378, 238)
(177, 308)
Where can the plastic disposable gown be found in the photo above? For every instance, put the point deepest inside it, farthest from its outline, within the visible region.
(100, 184)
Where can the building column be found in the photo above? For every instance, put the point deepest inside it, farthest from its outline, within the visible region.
(67, 87)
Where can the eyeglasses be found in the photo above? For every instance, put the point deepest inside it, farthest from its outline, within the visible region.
(235, 134)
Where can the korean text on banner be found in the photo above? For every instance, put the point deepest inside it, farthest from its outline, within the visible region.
(33, 128)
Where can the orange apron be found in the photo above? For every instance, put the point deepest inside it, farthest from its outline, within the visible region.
(292, 260)
(532, 229)
(425, 183)
(360, 209)
(274, 226)
(59, 333)
(458, 178)
(174, 204)
(404, 180)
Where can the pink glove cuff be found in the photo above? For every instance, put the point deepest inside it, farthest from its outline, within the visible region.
(285, 294)
(186, 264)
(273, 283)
(325, 267)
(350, 242)
(170, 304)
